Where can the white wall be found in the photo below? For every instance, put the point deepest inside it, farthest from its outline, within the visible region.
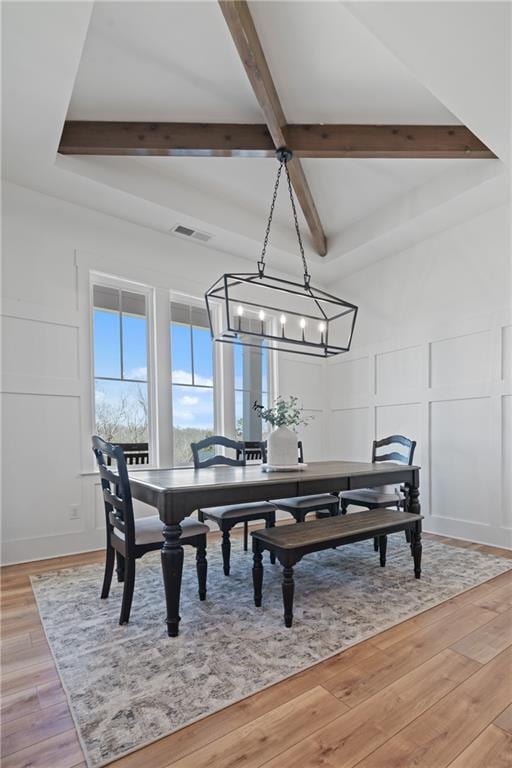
(432, 359)
(49, 246)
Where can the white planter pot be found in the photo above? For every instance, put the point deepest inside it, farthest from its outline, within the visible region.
(282, 447)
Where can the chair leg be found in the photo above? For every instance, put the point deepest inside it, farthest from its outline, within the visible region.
(120, 567)
(343, 506)
(226, 550)
(129, 583)
(201, 567)
(376, 544)
(383, 542)
(246, 535)
(109, 569)
(270, 522)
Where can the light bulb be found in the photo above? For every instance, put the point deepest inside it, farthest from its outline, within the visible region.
(239, 310)
(321, 327)
(302, 323)
(261, 315)
(282, 319)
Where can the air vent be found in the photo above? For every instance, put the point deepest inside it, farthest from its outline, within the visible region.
(194, 234)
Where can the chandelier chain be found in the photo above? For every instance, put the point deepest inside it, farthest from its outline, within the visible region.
(261, 262)
(297, 230)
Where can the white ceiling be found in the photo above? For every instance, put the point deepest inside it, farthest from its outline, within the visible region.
(331, 62)
(345, 190)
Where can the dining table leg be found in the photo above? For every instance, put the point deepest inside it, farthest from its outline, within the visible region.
(413, 494)
(172, 569)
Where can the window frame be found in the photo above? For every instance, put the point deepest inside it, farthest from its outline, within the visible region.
(217, 377)
(122, 284)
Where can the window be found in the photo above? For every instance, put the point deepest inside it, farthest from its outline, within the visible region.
(192, 379)
(251, 384)
(120, 337)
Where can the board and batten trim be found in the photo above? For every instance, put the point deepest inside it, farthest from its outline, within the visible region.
(491, 385)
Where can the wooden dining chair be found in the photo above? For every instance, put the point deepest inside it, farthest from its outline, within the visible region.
(226, 517)
(373, 498)
(323, 504)
(129, 538)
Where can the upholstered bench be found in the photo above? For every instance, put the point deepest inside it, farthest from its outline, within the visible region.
(289, 543)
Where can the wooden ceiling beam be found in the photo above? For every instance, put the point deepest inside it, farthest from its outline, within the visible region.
(386, 141)
(235, 140)
(245, 37)
(90, 137)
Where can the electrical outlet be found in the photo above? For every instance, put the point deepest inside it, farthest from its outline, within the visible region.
(74, 512)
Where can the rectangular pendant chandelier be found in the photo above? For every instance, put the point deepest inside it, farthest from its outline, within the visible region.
(263, 310)
(257, 309)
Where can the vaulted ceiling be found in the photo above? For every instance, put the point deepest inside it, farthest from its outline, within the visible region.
(331, 62)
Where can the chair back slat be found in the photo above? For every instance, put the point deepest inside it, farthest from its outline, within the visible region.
(217, 458)
(108, 474)
(395, 456)
(115, 485)
(114, 500)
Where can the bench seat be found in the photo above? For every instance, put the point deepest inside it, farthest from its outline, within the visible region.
(290, 543)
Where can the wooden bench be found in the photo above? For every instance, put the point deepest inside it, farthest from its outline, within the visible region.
(289, 543)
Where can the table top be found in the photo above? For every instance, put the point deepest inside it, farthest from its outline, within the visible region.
(335, 528)
(178, 480)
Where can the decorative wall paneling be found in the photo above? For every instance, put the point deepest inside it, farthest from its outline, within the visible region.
(451, 389)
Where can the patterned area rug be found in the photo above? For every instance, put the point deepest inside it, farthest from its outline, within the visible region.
(131, 685)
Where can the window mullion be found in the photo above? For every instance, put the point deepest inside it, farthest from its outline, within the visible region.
(121, 355)
(192, 355)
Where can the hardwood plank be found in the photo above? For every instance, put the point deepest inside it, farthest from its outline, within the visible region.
(451, 725)
(18, 704)
(50, 694)
(492, 749)
(60, 751)
(35, 675)
(359, 682)
(504, 720)
(245, 37)
(257, 742)
(486, 642)
(499, 599)
(351, 737)
(13, 660)
(25, 731)
(21, 641)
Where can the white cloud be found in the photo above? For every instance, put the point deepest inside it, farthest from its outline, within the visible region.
(188, 400)
(185, 377)
(137, 373)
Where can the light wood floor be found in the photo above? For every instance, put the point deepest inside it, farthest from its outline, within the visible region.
(432, 692)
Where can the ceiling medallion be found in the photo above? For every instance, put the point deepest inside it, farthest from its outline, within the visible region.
(256, 309)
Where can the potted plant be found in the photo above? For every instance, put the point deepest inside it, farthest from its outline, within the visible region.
(282, 441)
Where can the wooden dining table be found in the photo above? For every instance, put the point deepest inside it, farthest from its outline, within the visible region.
(177, 493)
